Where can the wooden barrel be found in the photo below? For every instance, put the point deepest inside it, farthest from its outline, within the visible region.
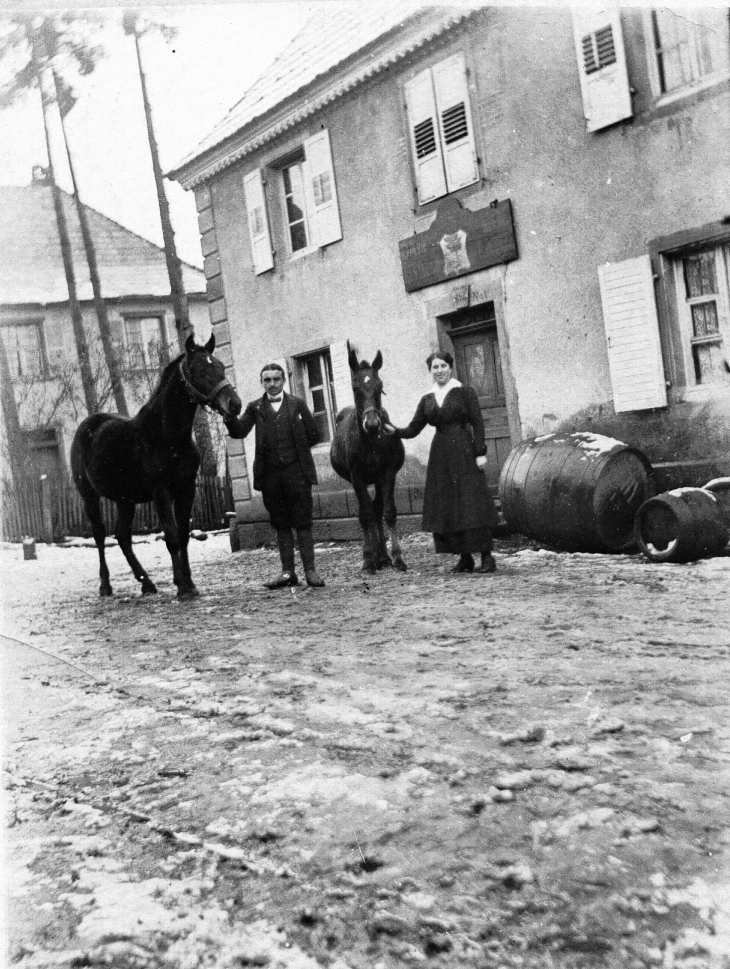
(579, 492)
(682, 525)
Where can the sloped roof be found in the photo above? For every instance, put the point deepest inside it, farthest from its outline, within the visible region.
(332, 38)
(31, 266)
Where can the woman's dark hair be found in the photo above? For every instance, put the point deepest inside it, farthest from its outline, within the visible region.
(440, 355)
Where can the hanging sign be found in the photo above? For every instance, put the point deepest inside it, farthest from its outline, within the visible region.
(458, 242)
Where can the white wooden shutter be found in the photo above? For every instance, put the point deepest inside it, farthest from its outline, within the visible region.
(632, 335)
(455, 123)
(604, 79)
(321, 192)
(341, 374)
(425, 138)
(258, 222)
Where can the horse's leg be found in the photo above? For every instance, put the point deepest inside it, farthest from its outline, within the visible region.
(382, 548)
(367, 523)
(92, 506)
(125, 517)
(183, 507)
(391, 520)
(163, 504)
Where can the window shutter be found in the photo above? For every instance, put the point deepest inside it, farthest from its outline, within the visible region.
(604, 79)
(455, 123)
(341, 374)
(632, 334)
(258, 222)
(319, 176)
(284, 362)
(424, 137)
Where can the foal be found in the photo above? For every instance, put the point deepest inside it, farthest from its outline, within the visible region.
(363, 454)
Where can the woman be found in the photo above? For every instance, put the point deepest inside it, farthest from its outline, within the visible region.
(457, 507)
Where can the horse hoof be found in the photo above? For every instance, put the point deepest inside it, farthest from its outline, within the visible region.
(105, 590)
(185, 594)
(368, 570)
(401, 565)
(148, 588)
(385, 564)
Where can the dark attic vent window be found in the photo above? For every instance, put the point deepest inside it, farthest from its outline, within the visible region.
(598, 50)
(425, 138)
(454, 122)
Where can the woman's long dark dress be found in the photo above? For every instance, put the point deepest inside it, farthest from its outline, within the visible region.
(457, 507)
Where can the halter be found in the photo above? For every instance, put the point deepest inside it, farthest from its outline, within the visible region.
(195, 395)
(373, 410)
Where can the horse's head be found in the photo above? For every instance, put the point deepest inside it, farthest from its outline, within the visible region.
(367, 388)
(205, 379)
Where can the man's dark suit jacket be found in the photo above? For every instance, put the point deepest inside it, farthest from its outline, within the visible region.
(304, 429)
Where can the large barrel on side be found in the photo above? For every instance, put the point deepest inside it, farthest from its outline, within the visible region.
(685, 524)
(579, 492)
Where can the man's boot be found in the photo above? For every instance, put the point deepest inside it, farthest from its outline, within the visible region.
(306, 550)
(286, 554)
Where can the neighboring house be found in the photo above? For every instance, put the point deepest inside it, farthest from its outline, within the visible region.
(35, 318)
(546, 193)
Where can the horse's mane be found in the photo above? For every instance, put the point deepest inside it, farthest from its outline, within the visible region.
(165, 378)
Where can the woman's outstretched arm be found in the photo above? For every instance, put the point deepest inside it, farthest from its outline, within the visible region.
(415, 427)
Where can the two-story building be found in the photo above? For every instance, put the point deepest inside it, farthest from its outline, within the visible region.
(544, 192)
(35, 316)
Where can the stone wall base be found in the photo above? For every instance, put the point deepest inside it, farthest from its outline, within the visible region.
(254, 534)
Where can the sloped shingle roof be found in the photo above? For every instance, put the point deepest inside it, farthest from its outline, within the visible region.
(31, 267)
(329, 40)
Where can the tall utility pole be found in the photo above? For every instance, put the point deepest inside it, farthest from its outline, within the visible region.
(174, 266)
(115, 374)
(82, 349)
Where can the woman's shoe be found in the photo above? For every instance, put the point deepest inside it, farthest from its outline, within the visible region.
(488, 563)
(465, 564)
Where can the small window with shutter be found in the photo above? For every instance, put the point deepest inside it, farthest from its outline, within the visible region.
(308, 190)
(604, 80)
(441, 130)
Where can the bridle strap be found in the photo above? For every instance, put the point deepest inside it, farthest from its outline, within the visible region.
(195, 394)
(373, 410)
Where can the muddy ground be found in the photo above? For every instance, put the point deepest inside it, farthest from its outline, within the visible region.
(526, 769)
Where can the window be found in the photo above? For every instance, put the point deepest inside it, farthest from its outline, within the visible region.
(24, 349)
(295, 205)
(689, 47)
(319, 387)
(441, 130)
(145, 343)
(703, 304)
(305, 184)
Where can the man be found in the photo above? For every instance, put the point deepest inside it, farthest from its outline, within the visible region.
(283, 470)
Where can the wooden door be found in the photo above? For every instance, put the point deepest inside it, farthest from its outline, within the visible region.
(478, 365)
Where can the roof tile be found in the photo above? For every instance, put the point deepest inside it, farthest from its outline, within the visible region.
(31, 266)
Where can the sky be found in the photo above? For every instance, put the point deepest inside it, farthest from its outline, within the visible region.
(220, 49)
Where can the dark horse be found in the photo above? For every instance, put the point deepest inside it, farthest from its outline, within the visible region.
(363, 454)
(152, 457)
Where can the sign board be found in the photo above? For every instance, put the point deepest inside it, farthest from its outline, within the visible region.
(458, 242)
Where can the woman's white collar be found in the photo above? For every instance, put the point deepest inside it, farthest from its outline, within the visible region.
(441, 392)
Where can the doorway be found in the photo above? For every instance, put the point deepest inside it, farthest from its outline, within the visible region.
(478, 364)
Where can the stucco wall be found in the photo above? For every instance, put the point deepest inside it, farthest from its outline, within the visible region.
(578, 199)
